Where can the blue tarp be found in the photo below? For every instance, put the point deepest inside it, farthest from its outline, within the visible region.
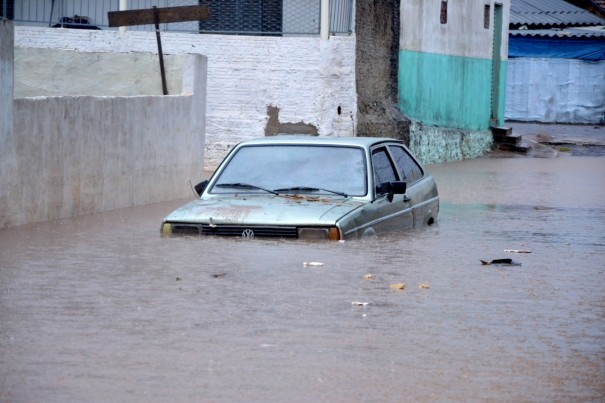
(592, 49)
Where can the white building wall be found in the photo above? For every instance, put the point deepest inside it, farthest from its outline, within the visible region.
(306, 78)
(464, 20)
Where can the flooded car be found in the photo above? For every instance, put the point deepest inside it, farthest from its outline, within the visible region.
(311, 188)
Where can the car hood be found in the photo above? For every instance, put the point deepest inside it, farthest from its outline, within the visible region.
(265, 210)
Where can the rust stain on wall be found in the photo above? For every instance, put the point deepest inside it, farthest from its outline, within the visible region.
(274, 126)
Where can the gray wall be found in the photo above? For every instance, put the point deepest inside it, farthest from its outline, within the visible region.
(7, 154)
(6, 78)
(78, 155)
(56, 72)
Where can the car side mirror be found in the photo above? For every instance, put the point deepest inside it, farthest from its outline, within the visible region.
(395, 188)
(200, 187)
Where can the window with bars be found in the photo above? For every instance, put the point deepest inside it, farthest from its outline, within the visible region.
(261, 17)
(234, 17)
(7, 9)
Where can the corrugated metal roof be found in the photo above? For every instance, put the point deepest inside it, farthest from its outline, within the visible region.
(561, 33)
(550, 13)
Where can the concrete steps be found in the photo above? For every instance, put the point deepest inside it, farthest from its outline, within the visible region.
(505, 139)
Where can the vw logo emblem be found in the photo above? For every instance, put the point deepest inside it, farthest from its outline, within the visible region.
(248, 233)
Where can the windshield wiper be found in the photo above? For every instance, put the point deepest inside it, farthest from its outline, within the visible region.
(310, 189)
(244, 186)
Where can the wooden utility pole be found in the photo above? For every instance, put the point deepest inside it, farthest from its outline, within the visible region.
(156, 16)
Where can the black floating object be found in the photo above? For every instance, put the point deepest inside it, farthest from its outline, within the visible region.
(509, 262)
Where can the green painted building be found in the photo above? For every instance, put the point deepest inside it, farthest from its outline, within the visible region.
(452, 75)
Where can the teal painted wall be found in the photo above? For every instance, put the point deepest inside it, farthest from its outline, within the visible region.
(451, 91)
(502, 94)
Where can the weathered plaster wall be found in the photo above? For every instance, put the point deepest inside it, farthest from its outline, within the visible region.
(448, 91)
(379, 66)
(56, 72)
(376, 68)
(308, 79)
(463, 34)
(6, 79)
(84, 154)
(451, 83)
(431, 144)
(446, 68)
(8, 186)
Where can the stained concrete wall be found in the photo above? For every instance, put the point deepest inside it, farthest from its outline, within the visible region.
(6, 79)
(57, 72)
(85, 154)
(462, 35)
(7, 147)
(433, 145)
(376, 68)
(452, 74)
(309, 81)
(386, 26)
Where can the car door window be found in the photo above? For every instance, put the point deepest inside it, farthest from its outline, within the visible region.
(410, 170)
(384, 171)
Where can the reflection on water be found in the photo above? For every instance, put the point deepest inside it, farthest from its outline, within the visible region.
(102, 308)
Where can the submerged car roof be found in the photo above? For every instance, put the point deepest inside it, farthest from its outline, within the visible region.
(312, 140)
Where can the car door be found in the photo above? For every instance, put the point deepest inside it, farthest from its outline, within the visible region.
(388, 215)
(420, 190)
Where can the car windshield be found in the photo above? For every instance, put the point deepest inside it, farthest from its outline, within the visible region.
(294, 169)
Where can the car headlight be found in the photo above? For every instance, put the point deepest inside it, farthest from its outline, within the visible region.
(166, 228)
(331, 233)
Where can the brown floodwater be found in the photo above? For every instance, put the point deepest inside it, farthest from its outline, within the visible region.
(101, 308)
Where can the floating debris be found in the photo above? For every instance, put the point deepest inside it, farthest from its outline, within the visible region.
(517, 251)
(397, 286)
(509, 262)
(424, 286)
(359, 303)
(369, 276)
(312, 264)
